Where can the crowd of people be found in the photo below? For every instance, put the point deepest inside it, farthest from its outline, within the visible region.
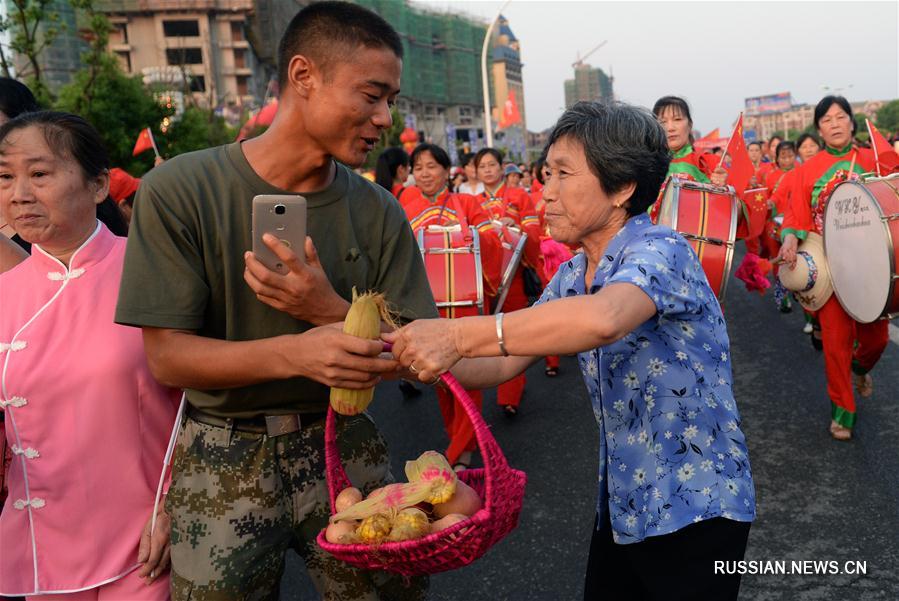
(137, 325)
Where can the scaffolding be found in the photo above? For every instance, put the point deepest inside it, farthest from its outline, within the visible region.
(442, 50)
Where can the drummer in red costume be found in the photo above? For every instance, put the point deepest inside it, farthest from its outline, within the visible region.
(779, 184)
(762, 169)
(686, 163)
(813, 183)
(429, 202)
(554, 253)
(512, 206)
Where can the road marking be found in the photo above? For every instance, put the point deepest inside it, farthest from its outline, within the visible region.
(894, 334)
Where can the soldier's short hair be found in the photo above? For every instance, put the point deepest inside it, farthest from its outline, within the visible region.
(328, 32)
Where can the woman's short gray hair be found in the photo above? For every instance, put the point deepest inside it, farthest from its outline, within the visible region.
(622, 144)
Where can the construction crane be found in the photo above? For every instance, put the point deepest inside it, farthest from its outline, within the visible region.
(580, 59)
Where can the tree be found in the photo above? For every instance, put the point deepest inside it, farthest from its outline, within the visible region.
(32, 26)
(861, 128)
(120, 107)
(389, 137)
(97, 58)
(195, 129)
(888, 118)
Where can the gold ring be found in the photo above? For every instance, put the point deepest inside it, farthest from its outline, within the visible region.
(412, 368)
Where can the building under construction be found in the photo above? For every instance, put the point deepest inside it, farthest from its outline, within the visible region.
(441, 85)
(589, 83)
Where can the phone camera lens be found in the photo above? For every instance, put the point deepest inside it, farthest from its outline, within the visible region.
(280, 209)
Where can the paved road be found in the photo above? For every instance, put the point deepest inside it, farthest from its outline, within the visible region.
(818, 499)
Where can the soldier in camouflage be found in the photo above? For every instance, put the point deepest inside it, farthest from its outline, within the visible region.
(283, 503)
(256, 350)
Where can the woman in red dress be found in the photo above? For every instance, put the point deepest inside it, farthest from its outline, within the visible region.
(851, 349)
(430, 202)
(511, 206)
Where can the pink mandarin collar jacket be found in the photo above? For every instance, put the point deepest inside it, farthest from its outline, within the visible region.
(87, 423)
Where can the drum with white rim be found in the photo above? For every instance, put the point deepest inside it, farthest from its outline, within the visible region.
(706, 216)
(861, 240)
(452, 260)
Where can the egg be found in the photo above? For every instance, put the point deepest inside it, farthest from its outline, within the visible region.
(465, 501)
(347, 498)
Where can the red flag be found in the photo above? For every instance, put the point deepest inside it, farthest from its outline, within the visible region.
(712, 135)
(741, 168)
(884, 154)
(144, 142)
(755, 213)
(510, 115)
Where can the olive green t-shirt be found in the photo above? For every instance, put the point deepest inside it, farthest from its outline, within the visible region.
(184, 263)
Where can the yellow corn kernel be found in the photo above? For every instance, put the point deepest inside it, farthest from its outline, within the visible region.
(363, 320)
(374, 529)
(410, 523)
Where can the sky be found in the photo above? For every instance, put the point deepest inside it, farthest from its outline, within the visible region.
(714, 54)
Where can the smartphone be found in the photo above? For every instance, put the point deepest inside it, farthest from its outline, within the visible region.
(283, 216)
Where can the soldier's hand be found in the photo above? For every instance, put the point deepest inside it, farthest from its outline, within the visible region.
(327, 355)
(154, 551)
(304, 292)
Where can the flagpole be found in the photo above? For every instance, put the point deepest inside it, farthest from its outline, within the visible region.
(727, 147)
(873, 146)
(488, 125)
(153, 142)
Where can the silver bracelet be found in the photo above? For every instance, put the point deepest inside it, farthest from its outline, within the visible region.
(499, 335)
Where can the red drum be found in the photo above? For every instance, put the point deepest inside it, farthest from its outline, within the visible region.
(513, 240)
(453, 264)
(706, 216)
(861, 241)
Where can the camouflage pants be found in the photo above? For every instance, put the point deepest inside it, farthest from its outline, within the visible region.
(239, 500)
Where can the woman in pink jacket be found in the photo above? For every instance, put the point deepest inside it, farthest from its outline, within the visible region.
(85, 419)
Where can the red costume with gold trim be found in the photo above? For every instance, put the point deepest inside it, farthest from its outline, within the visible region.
(515, 204)
(688, 164)
(552, 361)
(448, 209)
(811, 187)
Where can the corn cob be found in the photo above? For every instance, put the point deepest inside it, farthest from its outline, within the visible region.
(408, 524)
(431, 479)
(363, 320)
(374, 529)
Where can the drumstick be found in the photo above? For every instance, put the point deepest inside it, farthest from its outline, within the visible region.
(851, 165)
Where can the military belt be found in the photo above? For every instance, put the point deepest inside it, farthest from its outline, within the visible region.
(272, 425)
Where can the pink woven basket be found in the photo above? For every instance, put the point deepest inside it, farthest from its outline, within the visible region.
(501, 489)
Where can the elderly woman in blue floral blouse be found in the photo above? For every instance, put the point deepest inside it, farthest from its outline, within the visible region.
(675, 486)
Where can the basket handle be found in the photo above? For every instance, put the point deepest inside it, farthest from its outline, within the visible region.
(494, 457)
(334, 470)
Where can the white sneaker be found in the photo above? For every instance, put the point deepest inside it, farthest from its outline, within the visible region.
(807, 329)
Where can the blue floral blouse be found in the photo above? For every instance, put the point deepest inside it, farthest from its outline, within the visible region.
(671, 451)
